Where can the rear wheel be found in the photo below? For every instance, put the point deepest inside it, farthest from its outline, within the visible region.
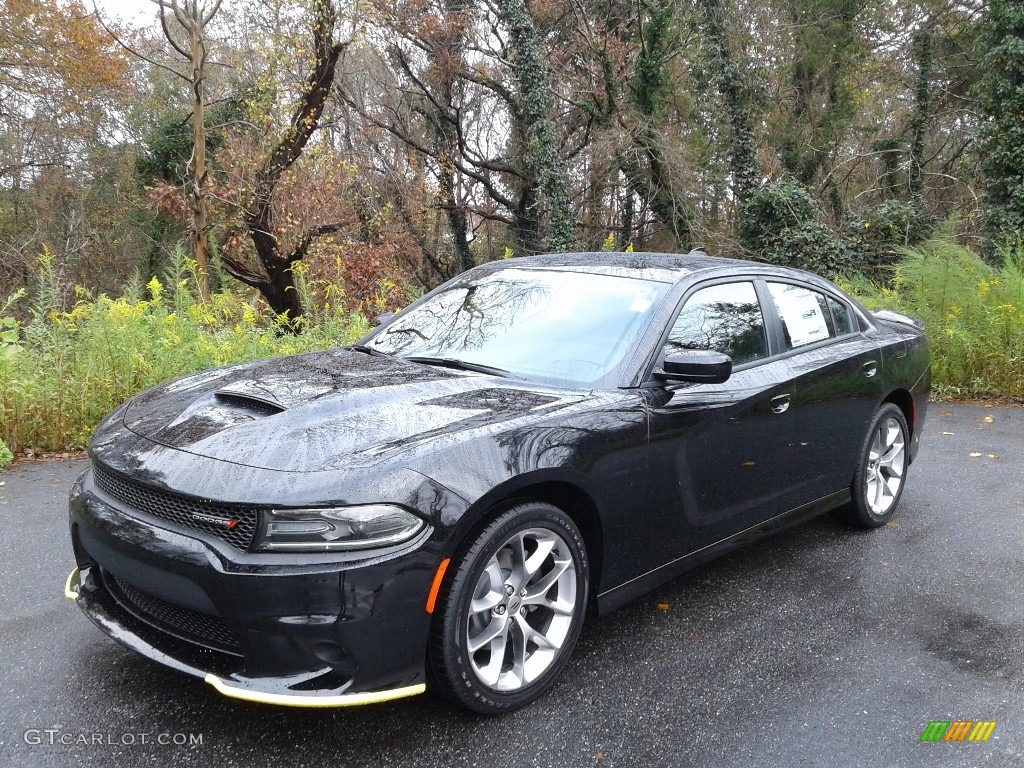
(510, 617)
(878, 482)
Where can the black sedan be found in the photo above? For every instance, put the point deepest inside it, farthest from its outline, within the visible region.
(441, 504)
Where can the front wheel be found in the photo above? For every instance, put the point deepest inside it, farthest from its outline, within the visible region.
(510, 617)
(879, 480)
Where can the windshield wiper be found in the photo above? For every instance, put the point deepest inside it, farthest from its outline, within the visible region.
(462, 365)
(366, 350)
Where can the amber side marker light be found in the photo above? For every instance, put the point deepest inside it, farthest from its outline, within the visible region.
(435, 587)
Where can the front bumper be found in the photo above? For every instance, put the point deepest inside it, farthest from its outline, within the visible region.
(79, 588)
(308, 631)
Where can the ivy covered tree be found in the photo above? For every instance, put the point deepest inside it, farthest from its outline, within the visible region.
(725, 75)
(646, 165)
(540, 150)
(1000, 95)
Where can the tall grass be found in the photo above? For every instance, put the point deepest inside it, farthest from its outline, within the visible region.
(973, 314)
(66, 366)
(73, 359)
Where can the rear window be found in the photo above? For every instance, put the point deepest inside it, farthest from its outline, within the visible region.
(842, 317)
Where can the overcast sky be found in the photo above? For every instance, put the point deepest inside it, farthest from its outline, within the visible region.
(139, 12)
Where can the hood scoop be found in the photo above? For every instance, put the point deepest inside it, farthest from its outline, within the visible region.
(259, 405)
(214, 413)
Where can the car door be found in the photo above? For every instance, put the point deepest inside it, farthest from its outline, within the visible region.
(836, 384)
(720, 454)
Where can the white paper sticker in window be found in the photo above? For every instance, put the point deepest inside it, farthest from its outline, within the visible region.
(801, 313)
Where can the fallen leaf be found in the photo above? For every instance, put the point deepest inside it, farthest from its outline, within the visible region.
(664, 607)
(892, 524)
(993, 456)
(748, 463)
(974, 455)
(988, 419)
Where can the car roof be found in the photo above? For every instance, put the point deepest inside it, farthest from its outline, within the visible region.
(660, 267)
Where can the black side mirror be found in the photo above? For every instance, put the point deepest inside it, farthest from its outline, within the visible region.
(382, 318)
(696, 365)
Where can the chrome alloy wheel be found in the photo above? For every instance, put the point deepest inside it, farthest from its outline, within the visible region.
(887, 461)
(522, 609)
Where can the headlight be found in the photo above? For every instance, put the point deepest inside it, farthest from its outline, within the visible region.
(338, 528)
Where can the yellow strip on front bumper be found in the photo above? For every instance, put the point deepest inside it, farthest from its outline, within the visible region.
(69, 593)
(283, 699)
(306, 700)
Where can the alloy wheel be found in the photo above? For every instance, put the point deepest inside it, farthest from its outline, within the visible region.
(522, 609)
(885, 467)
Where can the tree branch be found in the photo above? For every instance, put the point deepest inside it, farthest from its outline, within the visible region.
(134, 52)
(242, 273)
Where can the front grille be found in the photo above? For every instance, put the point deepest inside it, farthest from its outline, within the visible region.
(185, 511)
(183, 623)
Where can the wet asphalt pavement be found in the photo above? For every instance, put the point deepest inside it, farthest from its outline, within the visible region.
(822, 646)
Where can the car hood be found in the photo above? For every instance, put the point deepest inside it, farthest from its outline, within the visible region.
(329, 410)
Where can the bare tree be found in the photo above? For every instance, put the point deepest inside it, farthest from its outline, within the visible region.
(184, 24)
(193, 16)
(273, 276)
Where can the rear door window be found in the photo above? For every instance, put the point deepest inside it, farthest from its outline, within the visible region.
(805, 314)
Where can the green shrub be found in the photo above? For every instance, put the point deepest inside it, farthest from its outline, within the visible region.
(6, 457)
(781, 225)
(63, 369)
(883, 230)
(973, 313)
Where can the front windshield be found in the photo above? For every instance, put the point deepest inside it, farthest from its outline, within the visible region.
(546, 324)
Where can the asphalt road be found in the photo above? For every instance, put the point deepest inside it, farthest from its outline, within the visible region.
(822, 646)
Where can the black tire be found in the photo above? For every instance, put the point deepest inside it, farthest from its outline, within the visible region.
(511, 667)
(882, 472)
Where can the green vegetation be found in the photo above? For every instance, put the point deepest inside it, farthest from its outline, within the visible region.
(1001, 131)
(63, 369)
(973, 313)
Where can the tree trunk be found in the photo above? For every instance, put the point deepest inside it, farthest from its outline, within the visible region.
(527, 225)
(743, 161)
(921, 113)
(627, 218)
(197, 165)
(651, 176)
(275, 281)
(279, 289)
(541, 154)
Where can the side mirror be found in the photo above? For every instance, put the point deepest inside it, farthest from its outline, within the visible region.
(696, 365)
(382, 318)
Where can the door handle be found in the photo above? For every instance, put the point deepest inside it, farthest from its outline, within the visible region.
(870, 368)
(780, 403)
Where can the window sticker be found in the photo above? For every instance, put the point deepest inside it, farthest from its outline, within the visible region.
(801, 313)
